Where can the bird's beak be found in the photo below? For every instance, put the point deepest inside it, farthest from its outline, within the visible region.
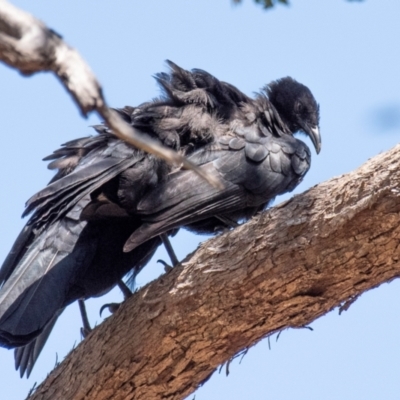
(315, 136)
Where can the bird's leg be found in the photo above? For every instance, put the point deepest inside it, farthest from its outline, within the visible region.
(170, 251)
(112, 307)
(228, 222)
(86, 329)
(124, 289)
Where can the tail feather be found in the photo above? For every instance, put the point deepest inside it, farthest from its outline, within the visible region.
(38, 287)
(26, 356)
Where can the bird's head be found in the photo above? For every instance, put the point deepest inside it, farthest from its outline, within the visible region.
(297, 107)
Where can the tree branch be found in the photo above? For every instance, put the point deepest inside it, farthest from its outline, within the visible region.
(283, 269)
(29, 46)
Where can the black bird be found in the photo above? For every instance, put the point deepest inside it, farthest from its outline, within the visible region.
(101, 215)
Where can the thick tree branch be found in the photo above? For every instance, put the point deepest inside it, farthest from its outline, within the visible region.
(29, 46)
(283, 269)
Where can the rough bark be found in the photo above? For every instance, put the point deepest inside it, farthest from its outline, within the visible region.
(283, 269)
(29, 46)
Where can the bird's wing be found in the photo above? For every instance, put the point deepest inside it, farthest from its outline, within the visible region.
(54, 249)
(253, 172)
(93, 170)
(66, 160)
(83, 165)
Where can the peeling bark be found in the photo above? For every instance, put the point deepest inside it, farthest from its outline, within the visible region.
(283, 269)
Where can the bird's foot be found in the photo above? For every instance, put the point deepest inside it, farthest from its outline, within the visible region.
(86, 328)
(170, 251)
(167, 267)
(112, 307)
(85, 331)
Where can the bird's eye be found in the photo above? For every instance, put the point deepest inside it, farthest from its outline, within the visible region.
(300, 108)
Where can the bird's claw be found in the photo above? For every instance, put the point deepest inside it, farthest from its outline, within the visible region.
(85, 331)
(167, 267)
(112, 307)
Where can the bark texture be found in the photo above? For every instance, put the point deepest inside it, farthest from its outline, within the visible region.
(29, 46)
(285, 268)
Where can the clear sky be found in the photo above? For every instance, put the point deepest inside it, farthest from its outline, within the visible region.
(347, 53)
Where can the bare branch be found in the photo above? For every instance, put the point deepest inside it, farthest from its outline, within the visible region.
(283, 269)
(29, 46)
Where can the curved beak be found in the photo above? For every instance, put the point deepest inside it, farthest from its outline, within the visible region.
(315, 137)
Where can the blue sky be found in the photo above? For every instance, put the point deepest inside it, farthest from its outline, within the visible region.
(345, 52)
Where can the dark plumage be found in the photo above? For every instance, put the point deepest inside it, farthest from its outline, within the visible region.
(101, 215)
